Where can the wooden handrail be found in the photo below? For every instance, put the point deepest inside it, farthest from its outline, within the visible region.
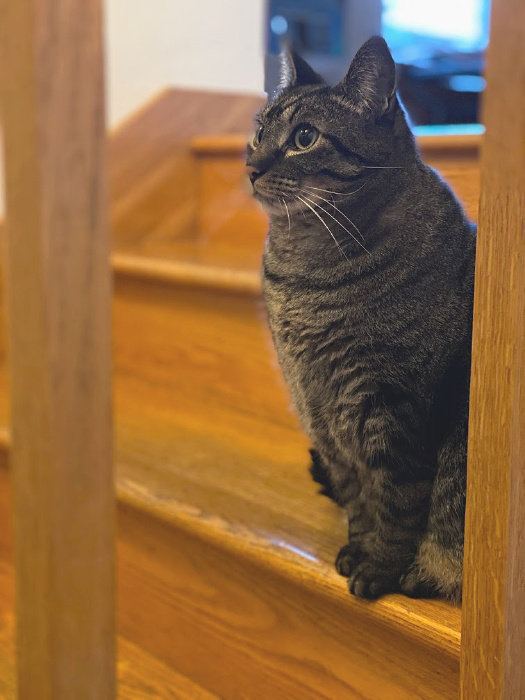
(59, 331)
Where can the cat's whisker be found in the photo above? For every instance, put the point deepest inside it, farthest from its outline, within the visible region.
(287, 214)
(316, 204)
(341, 194)
(338, 222)
(332, 204)
(324, 224)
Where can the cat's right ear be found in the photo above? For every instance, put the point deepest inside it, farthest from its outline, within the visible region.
(370, 83)
(295, 72)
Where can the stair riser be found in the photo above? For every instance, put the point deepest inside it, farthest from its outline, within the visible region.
(244, 631)
(228, 214)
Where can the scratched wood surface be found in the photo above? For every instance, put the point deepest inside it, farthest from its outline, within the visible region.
(493, 650)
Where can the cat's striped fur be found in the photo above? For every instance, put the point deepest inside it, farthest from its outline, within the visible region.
(368, 279)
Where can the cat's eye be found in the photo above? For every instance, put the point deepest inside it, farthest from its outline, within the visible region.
(258, 136)
(304, 137)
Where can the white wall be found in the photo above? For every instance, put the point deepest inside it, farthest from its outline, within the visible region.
(210, 44)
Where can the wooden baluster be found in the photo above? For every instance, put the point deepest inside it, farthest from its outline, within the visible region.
(59, 310)
(493, 639)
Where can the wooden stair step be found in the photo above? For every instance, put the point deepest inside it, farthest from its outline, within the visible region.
(228, 213)
(152, 170)
(140, 676)
(247, 612)
(216, 500)
(225, 549)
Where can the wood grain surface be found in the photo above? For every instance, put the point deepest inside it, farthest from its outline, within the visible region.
(219, 518)
(59, 311)
(140, 676)
(247, 617)
(493, 652)
(214, 450)
(153, 173)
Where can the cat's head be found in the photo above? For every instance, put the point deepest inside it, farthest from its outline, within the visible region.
(316, 139)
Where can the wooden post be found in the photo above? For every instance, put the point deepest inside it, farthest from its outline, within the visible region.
(493, 639)
(58, 292)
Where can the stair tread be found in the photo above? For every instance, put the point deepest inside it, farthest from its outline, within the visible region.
(220, 466)
(140, 676)
(213, 456)
(240, 498)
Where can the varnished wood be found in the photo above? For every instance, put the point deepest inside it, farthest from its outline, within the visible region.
(59, 331)
(221, 528)
(228, 213)
(247, 628)
(241, 613)
(230, 217)
(184, 272)
(493, 648)
(212, 477)
(213, 451)
(140, 676)
(458, 146)
(153, 174)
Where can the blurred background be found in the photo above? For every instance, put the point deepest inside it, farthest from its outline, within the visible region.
(438, 46)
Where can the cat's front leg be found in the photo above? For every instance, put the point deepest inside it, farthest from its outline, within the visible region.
(376, 561)
(339, 483)
(396, 486)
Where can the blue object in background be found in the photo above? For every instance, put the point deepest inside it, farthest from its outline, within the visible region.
(438, 46)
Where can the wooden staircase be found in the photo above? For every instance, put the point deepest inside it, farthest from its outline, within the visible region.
(226, 583)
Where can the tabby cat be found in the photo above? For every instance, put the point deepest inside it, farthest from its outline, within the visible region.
(368, 277)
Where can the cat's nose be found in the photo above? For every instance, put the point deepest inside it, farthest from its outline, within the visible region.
(253, 173)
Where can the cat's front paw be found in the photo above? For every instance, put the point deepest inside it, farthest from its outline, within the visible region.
(348, 558)
(414, 585)
(371, 579)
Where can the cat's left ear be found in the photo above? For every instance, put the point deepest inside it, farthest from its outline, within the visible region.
(370, 83)
(296, 72)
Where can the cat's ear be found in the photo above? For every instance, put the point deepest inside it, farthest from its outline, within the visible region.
(296, 72)
(370, 83)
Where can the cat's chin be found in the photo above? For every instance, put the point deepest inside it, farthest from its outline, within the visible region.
(271, 206)
(279, 207)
